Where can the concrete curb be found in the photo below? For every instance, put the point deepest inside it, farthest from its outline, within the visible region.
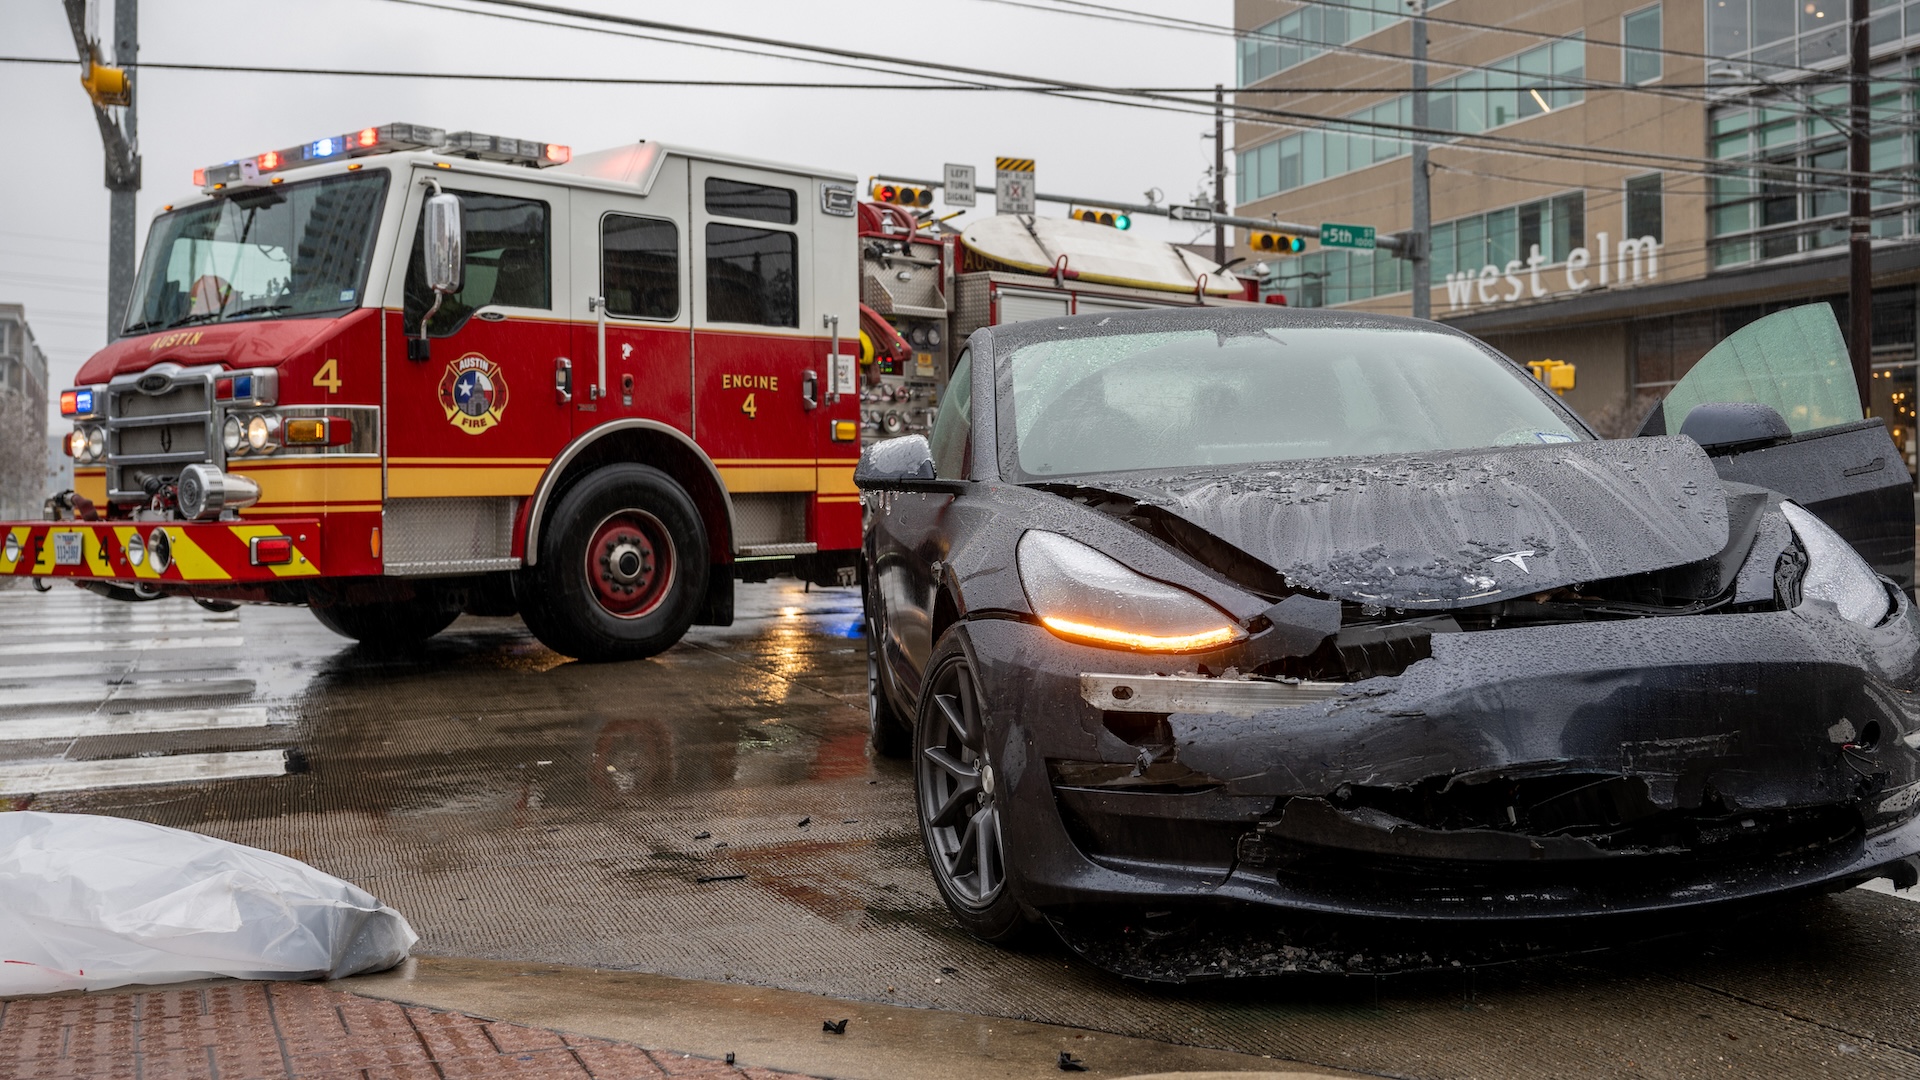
(781, 1029)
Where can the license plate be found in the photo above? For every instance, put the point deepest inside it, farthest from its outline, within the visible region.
(69, 549)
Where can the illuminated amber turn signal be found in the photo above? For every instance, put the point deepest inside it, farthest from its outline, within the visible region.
(1126, 639)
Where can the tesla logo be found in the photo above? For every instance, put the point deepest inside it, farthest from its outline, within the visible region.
(166, 440)
(1517, 558)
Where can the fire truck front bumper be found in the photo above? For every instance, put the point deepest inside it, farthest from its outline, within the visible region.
(163, 552)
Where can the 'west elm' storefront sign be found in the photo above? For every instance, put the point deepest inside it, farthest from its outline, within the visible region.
(1628, 262)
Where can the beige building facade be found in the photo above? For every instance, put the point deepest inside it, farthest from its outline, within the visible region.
(1543, 243)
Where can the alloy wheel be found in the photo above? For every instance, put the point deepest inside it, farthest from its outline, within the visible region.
(956, 791)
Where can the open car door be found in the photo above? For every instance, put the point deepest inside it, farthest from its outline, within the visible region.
(1828, 456)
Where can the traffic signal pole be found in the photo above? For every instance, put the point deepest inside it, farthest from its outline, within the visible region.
(1396, 244)
(1860, 214)
(1219, 172)
(1422, 206)
(115, 86)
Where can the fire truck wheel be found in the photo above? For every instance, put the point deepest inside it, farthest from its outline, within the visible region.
(387, 623)
(622, 569)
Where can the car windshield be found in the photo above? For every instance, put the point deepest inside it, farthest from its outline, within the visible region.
(1200, 397)
(298, 249)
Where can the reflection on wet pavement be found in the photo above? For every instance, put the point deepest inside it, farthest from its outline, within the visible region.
(715, 813)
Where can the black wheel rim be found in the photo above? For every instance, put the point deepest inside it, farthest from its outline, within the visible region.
(956, 791)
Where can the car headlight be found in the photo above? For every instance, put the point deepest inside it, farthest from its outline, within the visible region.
(1084, 596)
(1835, 572)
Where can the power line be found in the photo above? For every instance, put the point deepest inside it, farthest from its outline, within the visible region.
(1431, 20)
(745, 84)
(1141, 99)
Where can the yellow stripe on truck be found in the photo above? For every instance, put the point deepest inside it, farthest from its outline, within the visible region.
(301, 566)
(306, 485)
(415, 482)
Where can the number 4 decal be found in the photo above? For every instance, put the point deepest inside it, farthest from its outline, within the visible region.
(750, 408)
(328, 376)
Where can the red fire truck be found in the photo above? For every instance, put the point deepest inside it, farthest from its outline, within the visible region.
(397, 374)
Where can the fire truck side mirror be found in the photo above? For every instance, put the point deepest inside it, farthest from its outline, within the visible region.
(445, 243)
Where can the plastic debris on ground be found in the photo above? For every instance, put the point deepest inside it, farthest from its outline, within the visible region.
(88, 903)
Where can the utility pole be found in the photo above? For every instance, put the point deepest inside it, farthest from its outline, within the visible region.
(1860, 215)
(113, 86)
(1219, 172)
(1422, 204)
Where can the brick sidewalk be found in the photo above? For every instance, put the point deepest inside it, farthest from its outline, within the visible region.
(248, 1030)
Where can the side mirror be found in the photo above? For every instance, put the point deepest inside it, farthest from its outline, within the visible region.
(1734, 425)
(445, 246)
(445, 243)
(903, 463)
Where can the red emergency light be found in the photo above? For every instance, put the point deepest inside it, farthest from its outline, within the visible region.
(270, 550)
(268, 161)
(558, 154)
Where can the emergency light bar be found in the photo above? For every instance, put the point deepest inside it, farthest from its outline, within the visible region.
(480, 147)
(391, 138)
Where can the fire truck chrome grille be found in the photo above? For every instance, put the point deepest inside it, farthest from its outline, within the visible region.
(155, 432)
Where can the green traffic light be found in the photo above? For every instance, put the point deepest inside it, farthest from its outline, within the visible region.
(1122, 221)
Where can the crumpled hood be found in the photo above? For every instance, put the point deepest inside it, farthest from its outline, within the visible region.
(1456, 528)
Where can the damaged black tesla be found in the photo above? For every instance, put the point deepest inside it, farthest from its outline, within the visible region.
(1297, 618)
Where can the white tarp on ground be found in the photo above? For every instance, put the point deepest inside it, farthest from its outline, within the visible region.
(91, 902)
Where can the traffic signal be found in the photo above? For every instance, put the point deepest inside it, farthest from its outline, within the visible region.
(902, 195)
(1114, 218)
(1555, 375)
(105, 84)
(1285, 243)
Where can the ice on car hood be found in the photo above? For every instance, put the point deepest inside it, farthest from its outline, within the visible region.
(1456, 528)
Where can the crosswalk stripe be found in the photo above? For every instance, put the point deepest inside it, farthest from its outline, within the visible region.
(40, 777)
(126, 694)
(89, 725)
(171, 627)
(46, 648)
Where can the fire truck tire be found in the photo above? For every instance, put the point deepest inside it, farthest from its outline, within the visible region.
(623, 570)
(387, 623)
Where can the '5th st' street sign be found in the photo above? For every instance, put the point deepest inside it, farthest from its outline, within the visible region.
(1335, 235)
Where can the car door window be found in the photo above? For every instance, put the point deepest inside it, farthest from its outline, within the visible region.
(509, 262)
(752, 276)
(640, 266)
(1793, 360)
(951, 426)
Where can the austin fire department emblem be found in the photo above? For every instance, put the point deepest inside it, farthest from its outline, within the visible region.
(474, 393)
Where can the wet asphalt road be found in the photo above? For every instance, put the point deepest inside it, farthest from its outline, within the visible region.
(715, 813)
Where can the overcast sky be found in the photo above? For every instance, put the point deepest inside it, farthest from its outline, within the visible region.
(53, 206)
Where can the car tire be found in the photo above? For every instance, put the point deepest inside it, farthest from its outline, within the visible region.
(622, 570)
(953, 798)
(387, 623)
(890, 733)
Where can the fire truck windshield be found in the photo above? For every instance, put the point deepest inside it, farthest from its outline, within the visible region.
(292, 249)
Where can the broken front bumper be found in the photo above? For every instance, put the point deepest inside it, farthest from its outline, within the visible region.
(163, 552)
(1630, 767)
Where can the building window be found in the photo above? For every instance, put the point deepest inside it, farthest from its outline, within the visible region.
(1519, 87)
(1301, 35)
(1772, 34)
(1497, 237)
(1339, 276)
(1643, 208)
(751, 276)
(1641, 31)
(1771, 203)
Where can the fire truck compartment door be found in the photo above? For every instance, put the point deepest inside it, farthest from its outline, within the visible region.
(471, 429)
(635, 252)
(759, 349)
